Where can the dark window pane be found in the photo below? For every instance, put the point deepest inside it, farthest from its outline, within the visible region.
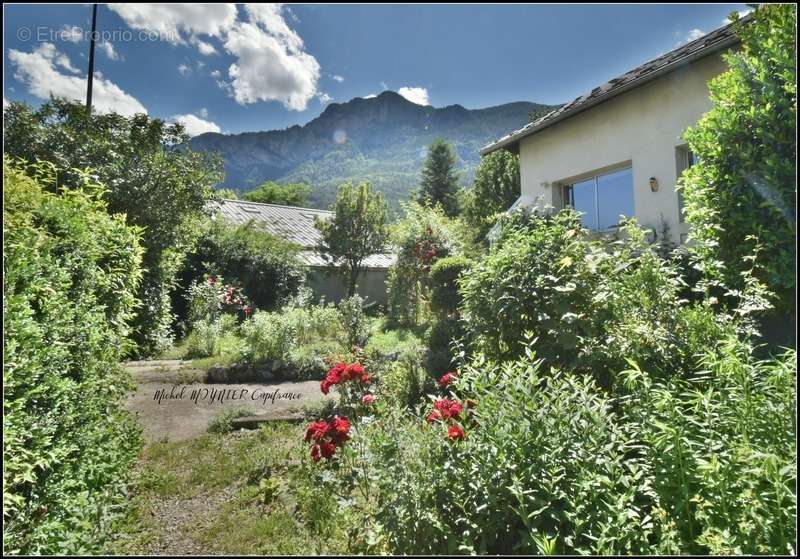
(615, 197)
(583, 200)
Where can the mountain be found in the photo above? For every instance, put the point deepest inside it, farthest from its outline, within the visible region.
(382, 139)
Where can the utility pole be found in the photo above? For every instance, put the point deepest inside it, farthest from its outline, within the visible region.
(91, 61)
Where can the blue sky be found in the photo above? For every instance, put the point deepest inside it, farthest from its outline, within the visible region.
(236, 68)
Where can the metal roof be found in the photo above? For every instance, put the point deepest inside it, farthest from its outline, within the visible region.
(293, 224)
(710, 43)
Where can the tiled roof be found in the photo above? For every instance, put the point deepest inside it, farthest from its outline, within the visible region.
(708, 44)
(293, 224)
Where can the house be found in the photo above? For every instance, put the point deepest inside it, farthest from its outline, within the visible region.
(618, 149)
(296, 225)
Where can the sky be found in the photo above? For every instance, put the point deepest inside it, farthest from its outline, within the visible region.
(246, 67)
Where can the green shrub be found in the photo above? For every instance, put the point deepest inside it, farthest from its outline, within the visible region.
(157, 187)
(353, 320)
(445, 297)
(555, 464)
(222, 422)
(266, 267)
(590, 304)
(405, 382)
(204, 339)
(743, 190)
(441, 354)
(268, 338)
(422, 236)
(71, 274)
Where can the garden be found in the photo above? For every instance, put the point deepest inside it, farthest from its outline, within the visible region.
(554, 392)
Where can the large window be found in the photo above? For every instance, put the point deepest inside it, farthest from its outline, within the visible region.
(602, 199)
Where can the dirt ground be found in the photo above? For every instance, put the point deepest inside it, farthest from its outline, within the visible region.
(173, 405)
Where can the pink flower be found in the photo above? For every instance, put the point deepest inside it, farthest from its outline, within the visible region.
(368, 399)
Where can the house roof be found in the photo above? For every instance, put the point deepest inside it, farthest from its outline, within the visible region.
(293, 224)
(710, 43)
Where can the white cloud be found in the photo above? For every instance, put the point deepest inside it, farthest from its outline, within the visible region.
(203, 113)
(71, 33)
(271, 63)
(206, 49)
(215, 73)
(337, 78)
(38, 70)
(688, 37)
(370, 96)
(63, 61)
(195, 126)
(324, 98)
(741, 13)
(109, 51)
(418, 95)
(5, 102)
(172, 21)
(184, 70)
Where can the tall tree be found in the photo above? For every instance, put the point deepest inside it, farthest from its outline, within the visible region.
(293, 194)
(357, 230)
(743, 189)
(439, 184)
(496, 188)
(151, 176)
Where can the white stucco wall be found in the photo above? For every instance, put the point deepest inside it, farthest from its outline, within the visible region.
(641, 127)
(326, 283)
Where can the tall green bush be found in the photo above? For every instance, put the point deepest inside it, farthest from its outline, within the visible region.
(743, 190)
(266, 267)
(71, 274)
(151, 176)
(495, 189)
(590, 305)
(421, 237)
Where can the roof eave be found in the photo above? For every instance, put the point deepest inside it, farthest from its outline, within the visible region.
(515, 138)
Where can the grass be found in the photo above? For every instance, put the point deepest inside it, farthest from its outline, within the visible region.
(269, 507)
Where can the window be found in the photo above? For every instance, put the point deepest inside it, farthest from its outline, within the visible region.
(602, 199)
(685, 159)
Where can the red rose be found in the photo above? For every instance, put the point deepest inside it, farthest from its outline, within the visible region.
(340, 427)
(447, 378)
(455, 432)
(328, 449)
(448, 408)
(434, 416)
(315, 453)
(317, 430)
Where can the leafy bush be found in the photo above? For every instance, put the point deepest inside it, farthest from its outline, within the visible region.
(495, 189)
(72, 271)
(422, 236)
(268, 337)
(442, 335)
(222, 422)
(204, 339)
(555, 464)
(590, 304)
(743, 190)
(266, 267)
(445, 297)
(151, 177)
(353, 320)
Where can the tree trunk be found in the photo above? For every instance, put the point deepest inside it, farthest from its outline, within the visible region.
(351, 285)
